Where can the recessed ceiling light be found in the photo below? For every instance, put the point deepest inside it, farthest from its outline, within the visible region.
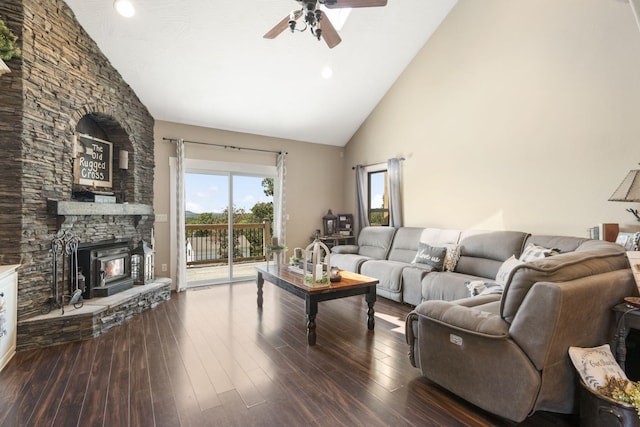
(327, 72)
(124, 8)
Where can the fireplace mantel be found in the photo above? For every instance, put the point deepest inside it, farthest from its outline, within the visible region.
(73, 208)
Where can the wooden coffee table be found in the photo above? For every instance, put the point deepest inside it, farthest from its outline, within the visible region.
(350, 285)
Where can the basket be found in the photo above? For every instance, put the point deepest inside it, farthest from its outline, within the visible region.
(597, 410)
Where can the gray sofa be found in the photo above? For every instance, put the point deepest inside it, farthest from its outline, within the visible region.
(386, 254)
(506, 352)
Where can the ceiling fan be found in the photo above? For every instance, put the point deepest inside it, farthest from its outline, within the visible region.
(317, 20)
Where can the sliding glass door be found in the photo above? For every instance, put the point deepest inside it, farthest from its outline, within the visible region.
(228, 216)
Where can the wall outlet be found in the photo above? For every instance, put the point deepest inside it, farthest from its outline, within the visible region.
(162, 218)
(164, 267)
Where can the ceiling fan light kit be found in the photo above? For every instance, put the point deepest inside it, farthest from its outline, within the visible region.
(316, 20)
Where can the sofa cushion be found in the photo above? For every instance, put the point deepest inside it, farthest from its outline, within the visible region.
(483, 252)
(374, 242)
(564, 243)
(345, 249)
(388, 273)
(446, 285)
(440, 236)
(405, 244)
(430, 255)
(560, 268)
(349, 262)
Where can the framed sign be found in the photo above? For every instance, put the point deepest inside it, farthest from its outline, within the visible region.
(93, 164)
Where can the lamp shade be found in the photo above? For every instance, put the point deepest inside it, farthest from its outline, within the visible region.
(629, 189)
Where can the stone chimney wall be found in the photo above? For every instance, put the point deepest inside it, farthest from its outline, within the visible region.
(62, 84)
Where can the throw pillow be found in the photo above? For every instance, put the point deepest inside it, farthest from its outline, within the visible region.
(595, 364)
(533, 252)
(430, 255)
(452, 257)
(505, 270)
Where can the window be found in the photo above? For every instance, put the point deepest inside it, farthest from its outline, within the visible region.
(378, 198)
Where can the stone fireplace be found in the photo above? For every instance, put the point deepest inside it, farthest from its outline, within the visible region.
(63, 85)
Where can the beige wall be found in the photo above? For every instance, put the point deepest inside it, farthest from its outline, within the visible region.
(314, 177)
(515, 115)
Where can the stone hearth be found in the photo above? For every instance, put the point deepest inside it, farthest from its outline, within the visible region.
(95, 317)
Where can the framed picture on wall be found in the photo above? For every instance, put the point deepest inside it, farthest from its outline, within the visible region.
(93, 162)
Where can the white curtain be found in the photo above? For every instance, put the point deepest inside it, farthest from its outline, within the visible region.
(361, 219)
(181, 264)
(279, 229)
(395, 202)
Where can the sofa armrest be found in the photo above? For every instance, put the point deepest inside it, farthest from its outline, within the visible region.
(464, 319)
(345, 249)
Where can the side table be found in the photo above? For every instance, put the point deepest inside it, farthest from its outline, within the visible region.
(627, 317)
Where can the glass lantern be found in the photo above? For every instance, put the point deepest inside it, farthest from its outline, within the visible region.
(142, 264)
(330, 223)
(317, 262)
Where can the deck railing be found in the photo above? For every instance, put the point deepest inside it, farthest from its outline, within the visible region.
(209, 243)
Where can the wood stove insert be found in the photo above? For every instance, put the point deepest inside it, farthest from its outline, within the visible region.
(106, 266)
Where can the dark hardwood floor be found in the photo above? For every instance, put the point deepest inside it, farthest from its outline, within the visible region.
(209, 357)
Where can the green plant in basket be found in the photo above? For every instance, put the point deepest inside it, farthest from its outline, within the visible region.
(623, 390)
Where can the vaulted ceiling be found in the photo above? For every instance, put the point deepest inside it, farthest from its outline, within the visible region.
(205, 63)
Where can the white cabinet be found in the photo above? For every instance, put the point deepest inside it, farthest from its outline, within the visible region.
(9, 312)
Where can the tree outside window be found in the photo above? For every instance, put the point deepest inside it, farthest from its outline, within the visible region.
(378, 204)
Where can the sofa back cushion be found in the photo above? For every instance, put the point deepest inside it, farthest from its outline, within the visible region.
(483, 252)
(594, 258)
(440, 236)
(405, 244)
(563, 243)
(375, 241)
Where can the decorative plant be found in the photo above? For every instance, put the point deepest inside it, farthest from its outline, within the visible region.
(8, 49)
(623, 390)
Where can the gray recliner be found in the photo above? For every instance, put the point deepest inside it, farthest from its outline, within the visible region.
(373, 243)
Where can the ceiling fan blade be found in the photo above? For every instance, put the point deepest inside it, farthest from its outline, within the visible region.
(336, 4)
(329, 33)
(282, 25)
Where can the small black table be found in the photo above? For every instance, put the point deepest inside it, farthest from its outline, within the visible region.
(350, 285)
(627, 317)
